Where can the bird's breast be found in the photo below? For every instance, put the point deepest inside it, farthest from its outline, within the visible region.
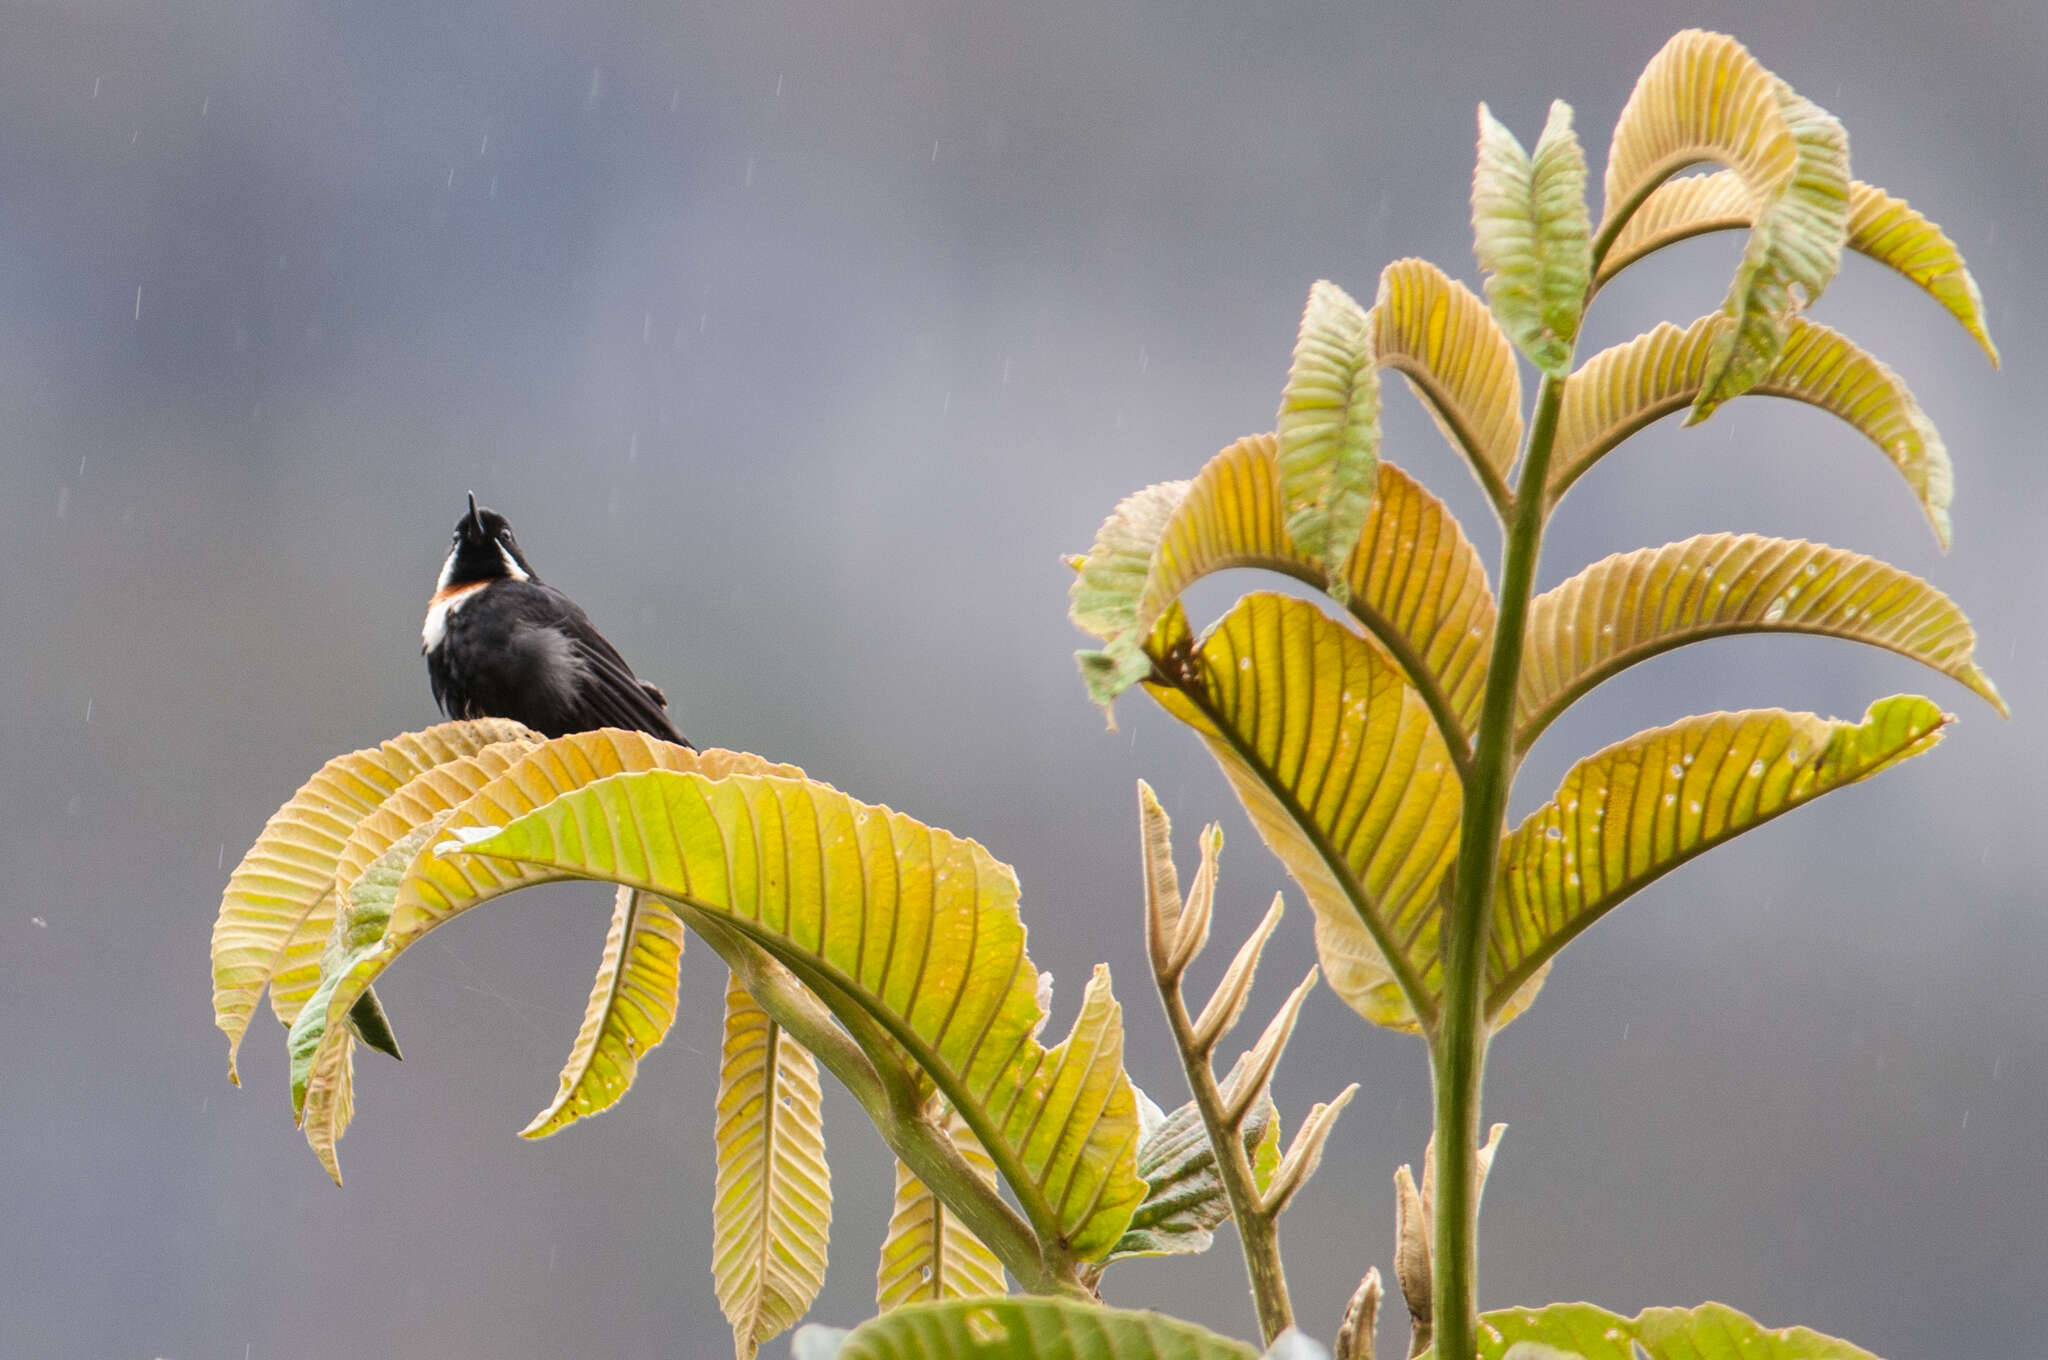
(447, 601)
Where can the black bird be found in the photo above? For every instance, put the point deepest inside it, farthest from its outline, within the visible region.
(500, 644)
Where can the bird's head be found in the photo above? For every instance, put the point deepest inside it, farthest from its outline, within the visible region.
(483, 549)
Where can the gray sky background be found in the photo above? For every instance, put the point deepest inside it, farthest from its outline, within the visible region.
(798, 341)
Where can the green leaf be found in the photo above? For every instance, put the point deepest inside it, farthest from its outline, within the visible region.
(1329, 431)
(772, 1209)
(1886, 229)
(900, 924)
(1620, 390)
(1712, 1331)
(1026, 1329)
(1439, 336)
(1345, 776)
(1630, 814)
(928, 1254)
(280, 902)
(1185, 1199)
(1414, 580)
(1633, 606)
(1794, 251)
(1108, 583)
(1532, 236)
(632, 1004)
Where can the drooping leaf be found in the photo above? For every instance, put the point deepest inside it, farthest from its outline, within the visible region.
(1620, 390)
(1438, 335)
(1185, 1199)
(772, 1210)
(1794, 251)
(911, 928)
(929, 1255)
(280, 901)
(1627, 815)
(1025, 1329)
(1107, 585)
(1703, 97)
(1633, 606)
(1532, 236)
(1886, 229)
(1415, 582)
(439, 889)
(1712, 1331)
(1329, 432)
(1345, 776)
(322, 1055)
(632, 1004)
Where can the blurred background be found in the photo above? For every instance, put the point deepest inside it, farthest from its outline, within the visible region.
(799, 342)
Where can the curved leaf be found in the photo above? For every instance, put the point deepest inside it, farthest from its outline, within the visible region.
(1633, 606)
(1185, 1198)
(1796, 244)
(1415, 582)
(1436, 333)
(632, 1004)
(1632, 813)
(1029, 1329)
(1620, 390)
(437, 889)
(1701, 98)
(1346, 777)
(1107, 584)
(280, 902)
(929, 1255)
(1712, 1331)
(1329, 430)
(1886, 229)
(1531, 234)
(915, 929)
(772, 1209)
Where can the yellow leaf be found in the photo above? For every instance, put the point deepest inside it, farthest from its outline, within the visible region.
(1633, 606)
(1415, 582)
(1620, 390)
(928, 1254)
(1627, 815)
(1345, 776)
(1436, 333)
(772, 1209)
(632, 1004)
(279, 904)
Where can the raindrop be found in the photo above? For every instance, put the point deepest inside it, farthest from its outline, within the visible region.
(1677, 771)
(1688, 757)
(88, 708)
(935, 151)
(1756, 769)
(1670, 799)
(749, 181)
(1693, 807)
(1776, 611)
(39, 923)
(1006, 370)
(220, 861)
(1553, 832)
(204, 105)
(1573, 880)
(138, 302)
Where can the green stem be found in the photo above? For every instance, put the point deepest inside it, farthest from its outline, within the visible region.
(891, 1105)
(1460, 1048)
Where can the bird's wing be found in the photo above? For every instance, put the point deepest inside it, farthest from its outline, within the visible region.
(606, 692)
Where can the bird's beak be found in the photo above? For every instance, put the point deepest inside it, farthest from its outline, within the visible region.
(474, 522)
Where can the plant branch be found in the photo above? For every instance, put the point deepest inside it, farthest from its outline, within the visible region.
(889, 1099)
(1459, 1047)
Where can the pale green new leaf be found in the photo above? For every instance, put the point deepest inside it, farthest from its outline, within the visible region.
(772, 1208)
(1531, 235)
(1022, 1329)
(1886, 229)
(1628, 815)
(1185, 1199)
(1107, 585)
(1794, 251)
(1345, 776)
(1328, 430)
(1415, 582)
(632, 1004)
(280, 902)
(1620, 390)
(1633, 606)
(913, 929)
(1712, 1331)
(929, 1255)
(1438, 335)
(438, 889)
